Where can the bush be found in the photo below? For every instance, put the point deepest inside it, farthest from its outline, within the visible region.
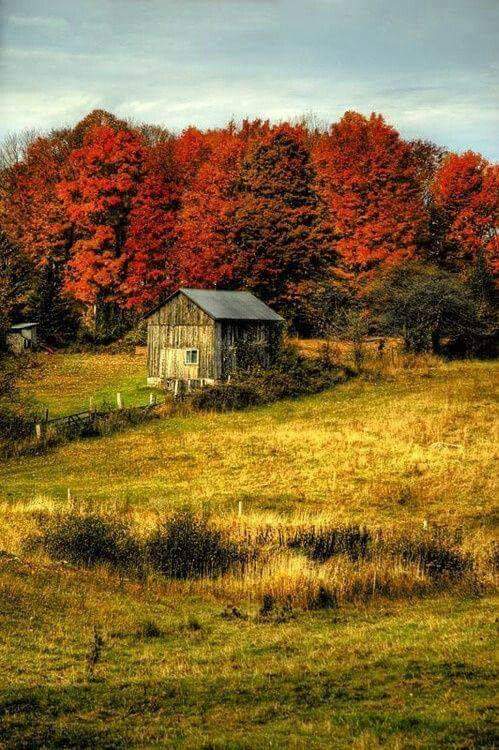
(435, 552)
(292, 375)
(322, 544)
(225, 397)
(424, 304)
(186, 546)
(88, 540)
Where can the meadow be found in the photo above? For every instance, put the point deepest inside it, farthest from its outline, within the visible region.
(400, 659)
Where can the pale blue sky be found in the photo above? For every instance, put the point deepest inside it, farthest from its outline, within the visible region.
(430, 66)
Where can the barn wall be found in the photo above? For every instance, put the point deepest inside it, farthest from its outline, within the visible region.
(242, 344)
(180, 324)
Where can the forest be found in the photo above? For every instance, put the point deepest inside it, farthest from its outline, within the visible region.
(326, 223)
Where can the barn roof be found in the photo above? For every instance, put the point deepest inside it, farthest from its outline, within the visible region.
(222, 305)
(22, 326)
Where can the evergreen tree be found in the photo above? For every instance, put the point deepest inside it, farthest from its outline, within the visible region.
(278, 238)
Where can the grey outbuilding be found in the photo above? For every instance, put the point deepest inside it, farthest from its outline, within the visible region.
(205, 335)
(21, 337)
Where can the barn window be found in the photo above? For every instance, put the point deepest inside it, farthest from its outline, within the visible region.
(191, 356)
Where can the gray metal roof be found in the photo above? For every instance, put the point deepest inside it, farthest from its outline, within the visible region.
(222, 305)
(22, 326)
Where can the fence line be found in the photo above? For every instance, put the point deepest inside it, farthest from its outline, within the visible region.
(82, 418)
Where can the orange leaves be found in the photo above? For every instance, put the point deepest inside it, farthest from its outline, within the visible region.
(123, 217)
(466, 190)
(102, 179)
(369, 184)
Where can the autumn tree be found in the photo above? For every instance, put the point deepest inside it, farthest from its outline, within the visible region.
(149, 269)
(102, 181)
(277, 231)
(205, 253)
(466, 191)
(369, 181)
(34, 218)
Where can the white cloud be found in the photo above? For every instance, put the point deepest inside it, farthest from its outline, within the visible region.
(45, 110)
(45, 22)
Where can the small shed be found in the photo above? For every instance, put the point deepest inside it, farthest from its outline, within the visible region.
(206, 335)
(22, 336)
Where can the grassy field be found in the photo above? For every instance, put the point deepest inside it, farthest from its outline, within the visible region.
(64, 383)
(410, 446)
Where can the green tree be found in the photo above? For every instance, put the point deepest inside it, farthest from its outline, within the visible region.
(423, 304)
(278, 239)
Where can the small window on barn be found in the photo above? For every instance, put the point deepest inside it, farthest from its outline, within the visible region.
(191, 356)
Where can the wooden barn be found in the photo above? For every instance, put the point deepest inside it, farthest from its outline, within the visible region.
(206, 335)
(22, 337)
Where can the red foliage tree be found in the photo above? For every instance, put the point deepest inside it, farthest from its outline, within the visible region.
(191, 150)
(370, 184)
(35, 219)
(466, 190)
(204, 249)
(103, 178)
(149, 261)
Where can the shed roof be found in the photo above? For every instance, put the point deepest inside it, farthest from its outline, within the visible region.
(22, 326)
(223, 305)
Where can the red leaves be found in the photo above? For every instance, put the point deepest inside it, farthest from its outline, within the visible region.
(102, 179)
(370, 185)
(276, 209)
(150, 269)
(466, 190)
(204, 249)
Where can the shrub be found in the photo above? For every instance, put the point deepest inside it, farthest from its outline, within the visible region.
(226, 397)
(435, 552)
(186, 546)
(148, 629)
(320, 544)
(88, 539)
(291, 375)
(424, 304)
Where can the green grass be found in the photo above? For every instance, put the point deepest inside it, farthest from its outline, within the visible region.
(404, 673)
(64, 383)
(402, 676)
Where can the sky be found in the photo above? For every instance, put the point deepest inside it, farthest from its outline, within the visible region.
(429, 66)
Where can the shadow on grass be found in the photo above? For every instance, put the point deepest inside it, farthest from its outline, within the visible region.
(173, 712)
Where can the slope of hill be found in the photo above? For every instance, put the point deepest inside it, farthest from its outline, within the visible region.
(92, 658)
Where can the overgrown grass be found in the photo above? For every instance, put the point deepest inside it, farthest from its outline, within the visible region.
(421, 445)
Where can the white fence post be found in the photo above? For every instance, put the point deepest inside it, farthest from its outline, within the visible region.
(119, 401)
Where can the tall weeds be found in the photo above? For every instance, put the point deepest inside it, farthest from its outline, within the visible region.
(309, 565)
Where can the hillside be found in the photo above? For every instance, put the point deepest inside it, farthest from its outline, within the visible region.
(406, 666)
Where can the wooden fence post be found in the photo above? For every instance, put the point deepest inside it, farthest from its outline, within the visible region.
(151, 399)
(240, 508)
(38, 431)
(91, 404)
(119, 401)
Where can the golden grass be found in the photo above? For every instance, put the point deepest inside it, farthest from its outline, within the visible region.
(403, 662)
(421, 445)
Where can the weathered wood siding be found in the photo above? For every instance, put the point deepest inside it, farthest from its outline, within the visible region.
(179, 325)
(241, 344)
(224, 346)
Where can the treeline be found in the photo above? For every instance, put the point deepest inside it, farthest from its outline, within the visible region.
(102, 220)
